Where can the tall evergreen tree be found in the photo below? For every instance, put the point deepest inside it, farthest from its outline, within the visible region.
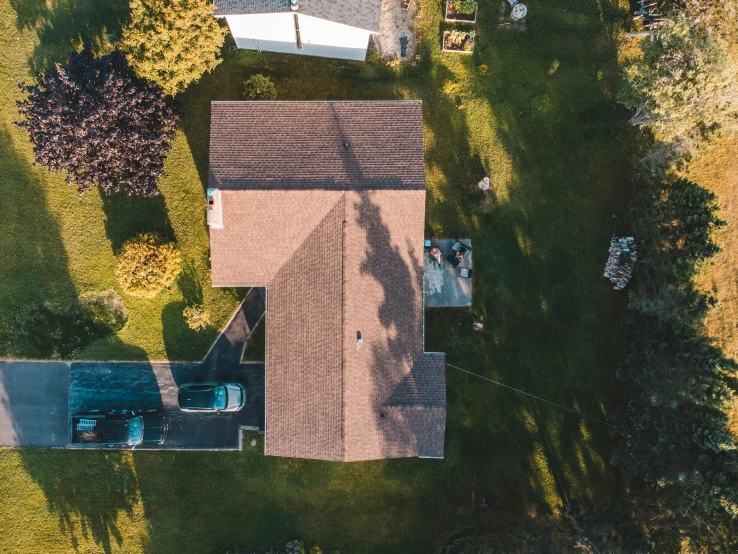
(100, 123)
(173, 42)
(676, 456)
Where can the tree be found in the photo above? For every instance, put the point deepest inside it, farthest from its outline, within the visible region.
(259, 87)
(147, 264)
(677, 459)
(96, 120)
(684, 88)
(173, 42)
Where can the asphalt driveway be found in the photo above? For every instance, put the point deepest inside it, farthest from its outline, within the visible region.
(105, 386)
(33, 404)
(37, 399)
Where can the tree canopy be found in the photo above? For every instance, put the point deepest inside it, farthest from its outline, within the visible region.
(173, 42)
(677, 458)
(100, 123)
(684, 87)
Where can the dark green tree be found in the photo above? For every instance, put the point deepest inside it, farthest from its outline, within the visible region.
(677, 459)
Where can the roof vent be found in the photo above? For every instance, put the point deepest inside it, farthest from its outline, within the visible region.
(294, 5)
(358, 337)
(346, 145)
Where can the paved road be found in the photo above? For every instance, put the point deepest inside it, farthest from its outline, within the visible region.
(33, 404)
(38, 398)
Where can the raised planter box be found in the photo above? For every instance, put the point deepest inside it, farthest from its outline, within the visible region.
(453, 15)
(452, 42)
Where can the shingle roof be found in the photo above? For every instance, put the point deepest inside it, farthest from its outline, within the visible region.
(301, 145)
(363, 14)
(337, 261)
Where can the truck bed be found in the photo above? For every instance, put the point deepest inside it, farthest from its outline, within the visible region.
(87, 429)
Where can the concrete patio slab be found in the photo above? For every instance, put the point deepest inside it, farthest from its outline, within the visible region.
(443, 286)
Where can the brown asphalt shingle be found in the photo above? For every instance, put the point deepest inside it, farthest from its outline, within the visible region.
(300, 145)
(337, 261)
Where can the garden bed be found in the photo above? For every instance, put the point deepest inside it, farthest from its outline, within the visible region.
(461, 10)
(461, 42)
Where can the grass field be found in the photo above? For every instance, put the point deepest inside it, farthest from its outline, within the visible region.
(558, 152)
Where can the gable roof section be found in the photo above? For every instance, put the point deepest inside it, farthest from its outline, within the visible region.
(300, 145)
(339, 262)
(363, 14)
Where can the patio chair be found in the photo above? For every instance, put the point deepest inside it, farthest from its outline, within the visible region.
(465, 248)
(465, 272)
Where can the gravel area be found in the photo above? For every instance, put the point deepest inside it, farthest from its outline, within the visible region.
(395, 24)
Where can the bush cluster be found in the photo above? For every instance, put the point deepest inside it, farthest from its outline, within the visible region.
(147, 264)
(59, 330)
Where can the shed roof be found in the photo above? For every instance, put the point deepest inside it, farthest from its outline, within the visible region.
(363, 14)
(337, 239)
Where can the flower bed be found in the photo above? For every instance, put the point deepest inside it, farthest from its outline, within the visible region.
(461, 42)
(461, 10)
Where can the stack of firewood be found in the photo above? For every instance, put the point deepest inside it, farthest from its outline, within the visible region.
(619, 267)
(647, 14)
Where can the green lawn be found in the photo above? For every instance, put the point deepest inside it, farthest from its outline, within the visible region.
(558, 152)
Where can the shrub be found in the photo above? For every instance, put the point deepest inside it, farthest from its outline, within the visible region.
(467, 7)
(259, 87)
(147, 264)
(483, 69)
(197, 317)
(173, 42)
(554, 68)
(53, 330)
(100, 123)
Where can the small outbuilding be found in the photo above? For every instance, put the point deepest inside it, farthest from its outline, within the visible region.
(323, 28)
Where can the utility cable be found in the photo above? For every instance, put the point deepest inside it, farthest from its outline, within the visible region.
(580, 414)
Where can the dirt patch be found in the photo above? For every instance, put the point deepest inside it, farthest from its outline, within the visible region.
(398, 30)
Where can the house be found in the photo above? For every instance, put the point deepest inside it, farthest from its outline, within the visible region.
(323, 203)
(324, 28)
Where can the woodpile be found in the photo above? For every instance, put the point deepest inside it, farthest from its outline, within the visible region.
(619, 267)
(648, 16)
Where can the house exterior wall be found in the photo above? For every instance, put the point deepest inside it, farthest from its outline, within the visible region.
(275, 32)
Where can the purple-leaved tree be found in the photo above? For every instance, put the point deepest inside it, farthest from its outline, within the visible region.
(99, 122)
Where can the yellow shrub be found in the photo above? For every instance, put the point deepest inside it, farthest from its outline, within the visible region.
(147, 264)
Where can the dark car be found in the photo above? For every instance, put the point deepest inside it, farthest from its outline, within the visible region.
(121, 429)
(212, 397)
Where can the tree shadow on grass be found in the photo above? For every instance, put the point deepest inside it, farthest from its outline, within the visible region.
(63, 25)
(181, 342)
(34, 260)
(86, 490)
(127, 216)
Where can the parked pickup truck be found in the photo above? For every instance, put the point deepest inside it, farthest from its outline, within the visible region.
(124, 428)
